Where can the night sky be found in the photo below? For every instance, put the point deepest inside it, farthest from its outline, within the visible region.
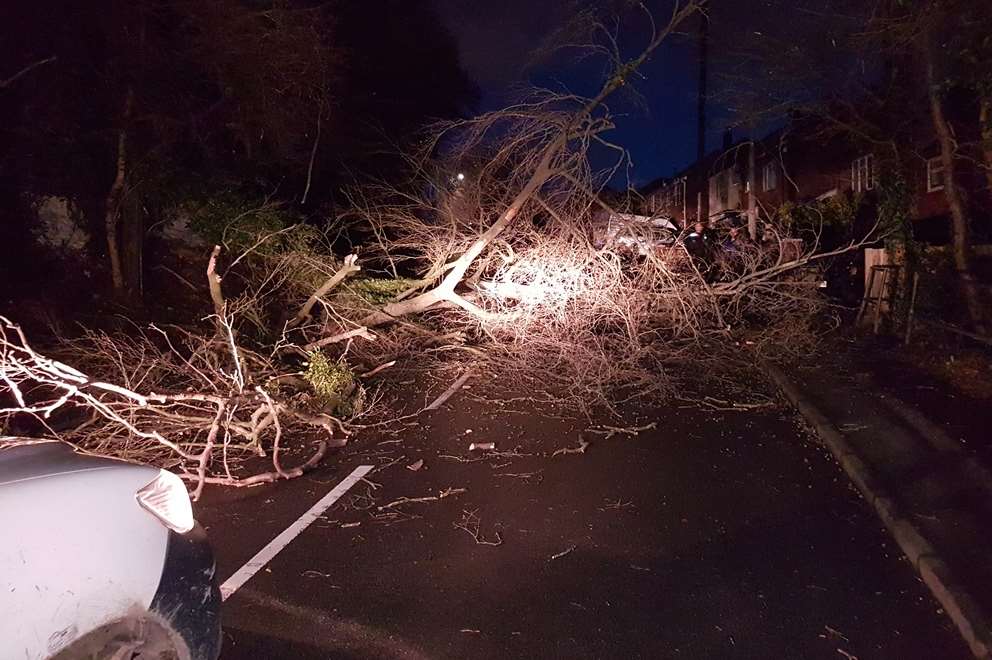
(498, 40)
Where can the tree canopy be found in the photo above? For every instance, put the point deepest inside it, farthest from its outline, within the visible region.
(227, 87)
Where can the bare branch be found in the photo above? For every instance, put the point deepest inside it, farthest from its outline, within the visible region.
(349, 268)
(14, 78)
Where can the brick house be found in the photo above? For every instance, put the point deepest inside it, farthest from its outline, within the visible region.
(801, 163)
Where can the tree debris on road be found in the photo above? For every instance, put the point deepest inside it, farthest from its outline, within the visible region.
(448, 492)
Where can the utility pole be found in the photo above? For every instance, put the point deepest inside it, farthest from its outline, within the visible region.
(752, 192)
(704, 37)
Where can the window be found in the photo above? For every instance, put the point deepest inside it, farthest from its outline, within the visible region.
(863, 173)
(770, 176)
(723, 188)
(679, 197)
(935, 174)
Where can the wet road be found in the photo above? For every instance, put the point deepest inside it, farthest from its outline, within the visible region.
(714, 535)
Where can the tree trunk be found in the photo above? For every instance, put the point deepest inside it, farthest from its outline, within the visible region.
(960, 242)
(313, 155)
(132, 233)
(113, 204)
(985, 122)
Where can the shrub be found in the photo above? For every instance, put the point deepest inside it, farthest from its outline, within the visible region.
(379, 291)
(334, 385)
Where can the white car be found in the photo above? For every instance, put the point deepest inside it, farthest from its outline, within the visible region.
(100, 559)
(638, 235)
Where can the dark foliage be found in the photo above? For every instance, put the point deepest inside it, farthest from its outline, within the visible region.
(222, 90)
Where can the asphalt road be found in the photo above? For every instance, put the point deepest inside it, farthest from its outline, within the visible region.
(714, 535)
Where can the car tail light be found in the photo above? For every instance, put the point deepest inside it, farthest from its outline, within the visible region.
(166, 498)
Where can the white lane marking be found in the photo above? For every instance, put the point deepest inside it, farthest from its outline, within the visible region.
(266, 554)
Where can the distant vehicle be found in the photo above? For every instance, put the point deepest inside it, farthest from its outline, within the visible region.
(100, 559)
(724, 220)
(635, 235)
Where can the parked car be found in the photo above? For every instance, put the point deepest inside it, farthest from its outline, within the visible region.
(635, 235)
(100, 559)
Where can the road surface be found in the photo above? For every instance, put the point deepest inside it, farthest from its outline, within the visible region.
(713, 535)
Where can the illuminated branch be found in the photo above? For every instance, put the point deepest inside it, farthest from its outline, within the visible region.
(349, 268)
(159, 426)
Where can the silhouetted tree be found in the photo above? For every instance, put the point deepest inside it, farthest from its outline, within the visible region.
(147, 95)
(865, 70)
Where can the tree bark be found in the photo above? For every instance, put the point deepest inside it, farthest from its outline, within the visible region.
(216, 294)
(113, 203)
(960, 242)
(132, 234)
(985, 122)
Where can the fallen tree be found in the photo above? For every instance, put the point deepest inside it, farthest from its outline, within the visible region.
(510, 280)
(197, 409)
(506, 253)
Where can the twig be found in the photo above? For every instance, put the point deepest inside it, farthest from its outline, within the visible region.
(526, 476)
(274, 414)
(259, 242)
(470, 523)
(159, 427)
(512, 453)
(369, 374)
(559, 555)
(581, 449)
(610, 431)
(720, 404)
(313, 155)
(334, 339)
(448, 393)
(179, 277)
(350, 267)
(461, 459)
(239, 375)
(448, 492)
(201, 470)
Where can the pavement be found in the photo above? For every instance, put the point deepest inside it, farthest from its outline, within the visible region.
(930, 486)
(714, 534)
